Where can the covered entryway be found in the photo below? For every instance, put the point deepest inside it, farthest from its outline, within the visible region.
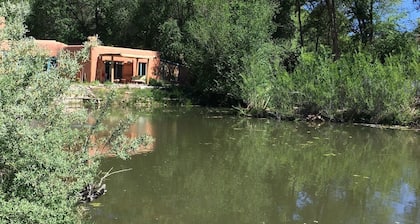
(123, 68)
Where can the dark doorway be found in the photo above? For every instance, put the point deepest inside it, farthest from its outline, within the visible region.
(118, 68)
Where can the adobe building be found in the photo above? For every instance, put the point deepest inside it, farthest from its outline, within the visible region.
(116, 64)
(113, 64)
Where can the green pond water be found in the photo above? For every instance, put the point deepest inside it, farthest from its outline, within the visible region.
(209, 167)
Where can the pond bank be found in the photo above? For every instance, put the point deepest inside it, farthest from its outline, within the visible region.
(146, 97)
(134, 95)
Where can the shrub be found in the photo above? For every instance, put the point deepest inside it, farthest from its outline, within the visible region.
(357, 86)
(265, 85)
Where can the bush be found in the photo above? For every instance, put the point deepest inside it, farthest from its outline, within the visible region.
(357, 87)
(265, 85)
(316, 84)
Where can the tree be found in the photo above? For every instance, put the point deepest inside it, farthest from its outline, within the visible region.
(150, 17)
(283, 20)
(218, 37)
(59, 20)
(170, 39)
(332, 11)
(44, 148)
(72, 21)
(324, 25)
(299, 12)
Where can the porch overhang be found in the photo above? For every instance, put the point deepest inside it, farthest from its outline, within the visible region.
(137, 56)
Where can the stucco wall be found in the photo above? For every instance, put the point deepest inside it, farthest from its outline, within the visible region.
(130, 57)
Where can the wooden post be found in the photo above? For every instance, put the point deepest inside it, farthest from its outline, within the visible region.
(112, 69)
(147, 72)
(136, 68)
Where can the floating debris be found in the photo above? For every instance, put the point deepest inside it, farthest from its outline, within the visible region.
(96, 204)
(330, 154)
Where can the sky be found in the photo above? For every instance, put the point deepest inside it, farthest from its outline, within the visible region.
(410, 22)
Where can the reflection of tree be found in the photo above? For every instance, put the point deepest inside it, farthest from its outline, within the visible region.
(221, 170)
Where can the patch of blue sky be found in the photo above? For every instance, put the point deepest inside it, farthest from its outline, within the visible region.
(411, 15)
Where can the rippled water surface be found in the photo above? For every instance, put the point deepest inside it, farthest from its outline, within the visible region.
(209, 167)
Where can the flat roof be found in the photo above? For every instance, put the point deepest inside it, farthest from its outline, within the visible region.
(128, 55)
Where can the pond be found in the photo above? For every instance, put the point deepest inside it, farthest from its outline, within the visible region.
(207, 166)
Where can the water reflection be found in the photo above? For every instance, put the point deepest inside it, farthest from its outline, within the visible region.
(208, 167)
(140, 128)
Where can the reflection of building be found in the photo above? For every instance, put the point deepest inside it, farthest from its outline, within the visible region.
(142, 127)
(114, 64)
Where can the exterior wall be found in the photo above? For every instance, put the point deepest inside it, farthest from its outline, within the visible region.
(100, 70)
(129, 57)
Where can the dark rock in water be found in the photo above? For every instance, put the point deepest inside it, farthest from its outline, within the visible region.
(92, 192)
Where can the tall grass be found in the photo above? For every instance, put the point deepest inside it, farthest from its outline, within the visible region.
(265, 84)
(358, 87)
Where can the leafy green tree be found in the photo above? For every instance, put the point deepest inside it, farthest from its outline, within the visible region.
(170, 39)
(318, 27)
(60, 20)
(283, 20)
(332, 13)
(219, 36)
(73, 21)
(148, 17)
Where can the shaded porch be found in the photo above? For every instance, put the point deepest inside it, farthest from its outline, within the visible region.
(124, 68)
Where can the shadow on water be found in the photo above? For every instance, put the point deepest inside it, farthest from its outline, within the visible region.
(209, 167)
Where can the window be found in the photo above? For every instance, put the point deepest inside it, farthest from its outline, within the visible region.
(142, 69)
(51, 63)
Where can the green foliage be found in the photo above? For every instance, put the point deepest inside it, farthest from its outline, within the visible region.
(380, 90)
(56, 20)
(316, 83)
(265, 83)
(358, 85)
(170, 39)
(42, 171)
(45, 159)
(14, 15)
(220, 35)
(227, 47)
(155, 82)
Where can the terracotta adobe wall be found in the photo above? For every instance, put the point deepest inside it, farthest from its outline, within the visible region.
(129, 57)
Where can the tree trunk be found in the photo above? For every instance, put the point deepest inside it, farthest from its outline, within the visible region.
(371, 21)
(333, 28)
(299, 11)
